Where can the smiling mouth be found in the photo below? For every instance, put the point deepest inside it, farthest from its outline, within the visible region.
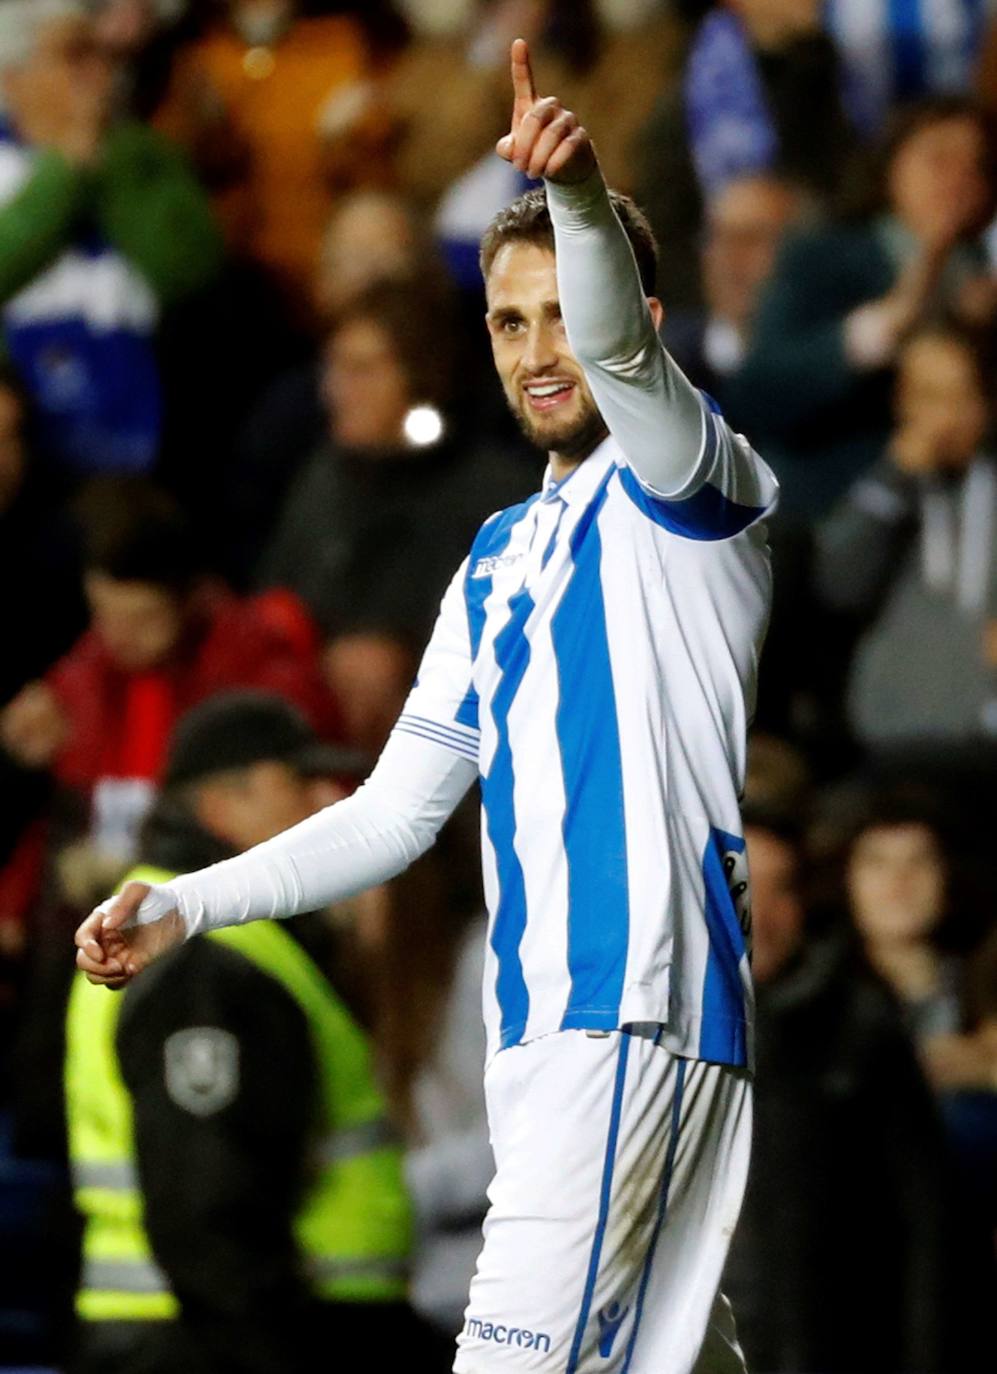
(544, 396)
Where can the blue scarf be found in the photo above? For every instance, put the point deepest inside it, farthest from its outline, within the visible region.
(731, 132)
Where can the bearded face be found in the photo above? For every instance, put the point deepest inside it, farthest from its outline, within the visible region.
(543, 382)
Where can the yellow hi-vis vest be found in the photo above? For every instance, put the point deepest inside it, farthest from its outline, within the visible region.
(354, 1223)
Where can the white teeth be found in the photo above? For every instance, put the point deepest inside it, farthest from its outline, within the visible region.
(550, 389)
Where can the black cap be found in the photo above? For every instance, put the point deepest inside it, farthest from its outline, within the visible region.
(237, 729)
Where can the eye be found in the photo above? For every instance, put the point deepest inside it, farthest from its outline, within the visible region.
(512, 326)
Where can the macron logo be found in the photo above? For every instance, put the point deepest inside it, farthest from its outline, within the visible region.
(610, 1321)
(476, 1329)
(486, 567)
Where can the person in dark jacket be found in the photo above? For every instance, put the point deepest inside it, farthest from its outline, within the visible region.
(745, 224)
(383, 509)
(760, 94)
(261, 1236)
(815, 388)
(844, 1261)
(911, 551)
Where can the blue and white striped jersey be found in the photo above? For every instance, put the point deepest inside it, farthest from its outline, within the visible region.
(594, 663)
(596, 656)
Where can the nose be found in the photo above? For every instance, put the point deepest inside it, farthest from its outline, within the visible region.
(540, 353)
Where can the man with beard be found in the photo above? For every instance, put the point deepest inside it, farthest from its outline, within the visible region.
(594, 664)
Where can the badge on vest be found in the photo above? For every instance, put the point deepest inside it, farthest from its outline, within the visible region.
(202, 1069)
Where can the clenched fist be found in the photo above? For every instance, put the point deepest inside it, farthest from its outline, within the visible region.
(112, 947)
(545, 139)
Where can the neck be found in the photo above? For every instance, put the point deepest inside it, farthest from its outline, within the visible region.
(563, 464)
(563, 467)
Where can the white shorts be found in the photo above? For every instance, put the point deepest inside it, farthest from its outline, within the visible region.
(620, 1170)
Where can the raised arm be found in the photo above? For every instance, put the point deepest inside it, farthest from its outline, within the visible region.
(671, 438)
(426, 768)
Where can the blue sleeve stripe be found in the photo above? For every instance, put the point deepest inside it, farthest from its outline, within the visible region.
(431, 737)
(708, 516)
(461, 735)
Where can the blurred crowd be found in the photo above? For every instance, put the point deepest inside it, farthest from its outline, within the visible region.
(248, 428)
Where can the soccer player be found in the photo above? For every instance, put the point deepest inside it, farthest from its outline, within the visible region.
(594, 664)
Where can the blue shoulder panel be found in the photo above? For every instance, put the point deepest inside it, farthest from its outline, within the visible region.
(707, 516)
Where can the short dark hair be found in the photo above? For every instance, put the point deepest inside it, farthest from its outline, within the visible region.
(136, 532)
(865, 192)
(400, 308)
(527, 220)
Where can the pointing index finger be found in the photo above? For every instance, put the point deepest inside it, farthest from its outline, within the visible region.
(523, 90)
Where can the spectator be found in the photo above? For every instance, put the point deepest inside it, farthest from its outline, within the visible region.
(274, 107)
(369, 670)
(373, 236)
(899, 892)
(816, 384)
(841, 1257)
(102, 230)
(760, 94)
(911, 550)
(382, 512)
(893, 54)
(160, 639)
(745, 225)
(240, 1119)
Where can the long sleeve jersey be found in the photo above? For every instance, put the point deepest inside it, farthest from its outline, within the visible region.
(594, 667)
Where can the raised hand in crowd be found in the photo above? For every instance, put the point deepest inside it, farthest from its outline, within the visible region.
(33, 726)
(939, 191)
(874, 331)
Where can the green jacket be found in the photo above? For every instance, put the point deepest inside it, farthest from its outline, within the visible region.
(353, 1226)
(141, 195)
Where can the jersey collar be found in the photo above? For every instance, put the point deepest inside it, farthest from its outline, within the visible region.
(581, 483)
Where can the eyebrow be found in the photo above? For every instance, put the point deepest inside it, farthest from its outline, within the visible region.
(501, 313)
